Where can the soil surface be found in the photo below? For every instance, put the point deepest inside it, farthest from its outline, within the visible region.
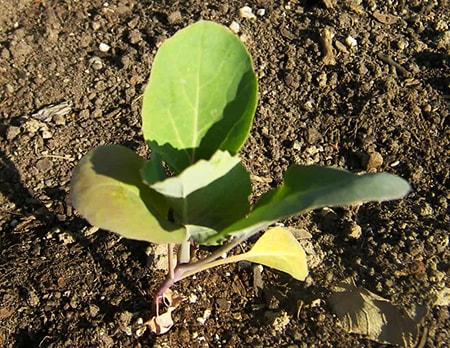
(378, 102)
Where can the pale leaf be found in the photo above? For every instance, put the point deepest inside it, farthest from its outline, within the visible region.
(278, 248)
(363, 312)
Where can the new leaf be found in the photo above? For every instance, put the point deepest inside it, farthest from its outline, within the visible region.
(208, 196)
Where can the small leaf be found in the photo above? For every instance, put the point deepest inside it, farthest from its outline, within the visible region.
(108, 191)
(201, 95)
(311, 187)
(278, 248)
(209, 195)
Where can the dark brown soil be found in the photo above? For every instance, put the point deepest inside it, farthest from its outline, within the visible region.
(62, 285)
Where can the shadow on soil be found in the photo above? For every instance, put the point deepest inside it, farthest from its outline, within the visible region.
(86, 251)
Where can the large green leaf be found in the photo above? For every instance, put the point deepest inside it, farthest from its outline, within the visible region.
(201, 95)
(107, 189)
(207, 196)
(310, 187)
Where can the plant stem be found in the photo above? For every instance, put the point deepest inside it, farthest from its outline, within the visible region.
(219, 252)
(184, 253)
(189, 269)
(170, 260)
(189, 272)
(185, 270)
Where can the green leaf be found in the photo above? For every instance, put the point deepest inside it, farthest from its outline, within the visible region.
(201, 95)
(108, 191)
(277, 248)
(209, 195)
(153, 171)
(310, 187)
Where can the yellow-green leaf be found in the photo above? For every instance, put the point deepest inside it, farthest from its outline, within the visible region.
(278, 248)
(108, 191)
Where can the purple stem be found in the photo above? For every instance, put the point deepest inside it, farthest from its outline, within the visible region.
(192, 268)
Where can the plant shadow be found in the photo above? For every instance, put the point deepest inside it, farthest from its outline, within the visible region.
(92, 251)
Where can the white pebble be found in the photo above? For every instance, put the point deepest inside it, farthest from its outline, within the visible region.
(395, 164)
(193, 298)
(261, 12)
(246, 12)
(46, 134)
(351, 41)
(234, 27)
(104, 47)
(206, 315)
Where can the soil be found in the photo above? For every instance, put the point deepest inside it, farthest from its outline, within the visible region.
(382, 106)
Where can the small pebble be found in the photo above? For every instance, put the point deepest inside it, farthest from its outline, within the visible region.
(66, 238)
(258, 283)
(193, 298)
(374, 162)
(394, 164)
(10, 88)
(281, 321)
(46, 134)
(355, 231)
(96, 26)
(261, 12)
(244, 38)
(94, 310)
(33, 299)
(246, 12)
(223, 304)
(234, 27)
(322, 79)
(135, 36)
(96, 63)
(443, 297)
(308, 106)
(104, 47)
(296, 146)
(424, 209)
(32, 126)
(351, 42)
(174, 17)
(206, 315)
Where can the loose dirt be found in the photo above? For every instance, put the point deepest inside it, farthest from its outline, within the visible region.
(375, 99)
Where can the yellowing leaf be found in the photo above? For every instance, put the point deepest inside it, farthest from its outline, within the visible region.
(278, 248)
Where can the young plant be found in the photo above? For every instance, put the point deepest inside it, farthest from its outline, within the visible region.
(197, 112)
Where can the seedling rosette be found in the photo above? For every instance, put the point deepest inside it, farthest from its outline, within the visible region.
(197, 112)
